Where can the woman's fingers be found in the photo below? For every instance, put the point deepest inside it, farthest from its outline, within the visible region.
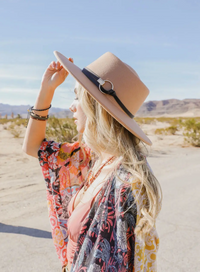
(57, 66)
(52, 65)
(55, 74)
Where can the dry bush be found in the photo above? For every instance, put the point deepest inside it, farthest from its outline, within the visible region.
(15, 126)
(160, 131)
(61, 130)
(15, 130)
(177, 122)
(192, 132)
(165, 119)
(145, 120)
(167, 131)
(17, 121)
(171, 130)
(173, 121)
(4, 121)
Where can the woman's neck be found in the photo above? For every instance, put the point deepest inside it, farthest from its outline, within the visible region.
(106, 156)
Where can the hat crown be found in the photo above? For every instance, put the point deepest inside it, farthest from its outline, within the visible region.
(124, 99)
(128, 87)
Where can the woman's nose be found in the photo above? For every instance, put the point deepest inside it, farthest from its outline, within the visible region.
(72, 108)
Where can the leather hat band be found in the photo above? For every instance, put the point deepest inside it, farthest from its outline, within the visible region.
(99, 82)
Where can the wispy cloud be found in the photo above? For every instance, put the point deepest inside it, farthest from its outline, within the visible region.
(18, 91)
(170, 79)
(132, 40)
(171, 92)
(170, 72)
(20, 71)
(165, 79)
(63, 97)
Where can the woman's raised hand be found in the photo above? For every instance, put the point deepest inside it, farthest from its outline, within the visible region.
(54, 75)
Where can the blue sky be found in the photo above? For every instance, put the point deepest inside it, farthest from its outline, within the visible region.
(159, 39)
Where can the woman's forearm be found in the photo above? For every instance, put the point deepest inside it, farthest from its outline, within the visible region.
(35, 131)
(54, 75)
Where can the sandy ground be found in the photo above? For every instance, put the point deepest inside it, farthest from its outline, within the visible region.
(26, 243)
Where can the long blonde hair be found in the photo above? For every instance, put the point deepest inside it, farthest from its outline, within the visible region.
(103, 133)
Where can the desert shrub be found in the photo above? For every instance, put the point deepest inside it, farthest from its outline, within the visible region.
(164, 119)
(16, 120)
(173, 121)
(15, 130)
(171, 130)
(19, 122)
(4, 121)
(160, 131)
(167, 131)
(145, 120)
(61, 130)
(177, 122)
(192, 132)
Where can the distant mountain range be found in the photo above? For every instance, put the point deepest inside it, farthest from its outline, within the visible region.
(171, 107)
(22, 110)
(168, 107)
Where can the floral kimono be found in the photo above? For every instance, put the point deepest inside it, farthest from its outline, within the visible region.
(107, 241)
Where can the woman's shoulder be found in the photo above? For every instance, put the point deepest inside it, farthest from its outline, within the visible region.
(74, 152)
(63, 153)
(126, 181)
(68, 149)
(124, 176)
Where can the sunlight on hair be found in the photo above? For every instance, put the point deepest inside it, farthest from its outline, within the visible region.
(103, 133)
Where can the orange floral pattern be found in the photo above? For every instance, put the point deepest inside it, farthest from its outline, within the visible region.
(108, 231)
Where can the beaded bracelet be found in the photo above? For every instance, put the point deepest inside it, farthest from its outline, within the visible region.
(32, 108)
(39, 117)
(35, 118)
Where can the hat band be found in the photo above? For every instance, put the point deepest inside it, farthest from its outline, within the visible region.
(99, 82)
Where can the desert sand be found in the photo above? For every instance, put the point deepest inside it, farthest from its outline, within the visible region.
(26, 243)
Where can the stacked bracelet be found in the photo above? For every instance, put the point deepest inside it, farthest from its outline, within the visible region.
(35, 116)
(32, 108)
(38, 117)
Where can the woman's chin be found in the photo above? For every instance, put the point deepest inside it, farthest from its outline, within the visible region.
(80, 129)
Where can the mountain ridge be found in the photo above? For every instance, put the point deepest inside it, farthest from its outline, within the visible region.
(168, 107)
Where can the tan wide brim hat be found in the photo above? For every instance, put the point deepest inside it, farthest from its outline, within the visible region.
(106, 74)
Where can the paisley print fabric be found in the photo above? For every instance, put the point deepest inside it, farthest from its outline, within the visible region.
(107, 241)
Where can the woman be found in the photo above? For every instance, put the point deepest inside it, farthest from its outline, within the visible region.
(103, 199)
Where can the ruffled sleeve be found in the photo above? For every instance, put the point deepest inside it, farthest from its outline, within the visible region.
(63, 170)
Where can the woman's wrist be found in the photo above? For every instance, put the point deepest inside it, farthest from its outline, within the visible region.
(44, 100)
(47, 89)
(46, 95)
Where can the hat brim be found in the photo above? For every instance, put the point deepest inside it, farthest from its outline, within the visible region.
(107, 104)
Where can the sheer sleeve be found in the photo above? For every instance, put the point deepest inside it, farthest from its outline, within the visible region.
(64, 167)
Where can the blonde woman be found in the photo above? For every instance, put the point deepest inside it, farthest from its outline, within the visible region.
(103, 198)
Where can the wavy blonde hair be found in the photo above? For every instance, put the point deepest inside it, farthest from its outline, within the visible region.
(103, 133)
